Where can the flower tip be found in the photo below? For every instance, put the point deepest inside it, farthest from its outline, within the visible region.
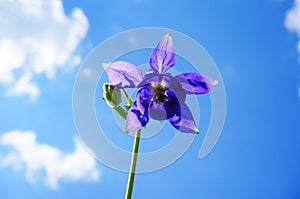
(215, 82)
(168, 37)
(126, 131)
(104, 65)
(197, 131)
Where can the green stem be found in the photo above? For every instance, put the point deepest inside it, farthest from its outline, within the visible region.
(121, 112)
(128, 98)
(133, 164)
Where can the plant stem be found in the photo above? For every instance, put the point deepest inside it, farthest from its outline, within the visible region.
(121, 112)
(128, 98)
(135, 151)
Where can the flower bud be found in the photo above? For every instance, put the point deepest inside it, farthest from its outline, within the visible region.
(112, 95)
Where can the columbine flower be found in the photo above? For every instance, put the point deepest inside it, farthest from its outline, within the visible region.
(160, 96)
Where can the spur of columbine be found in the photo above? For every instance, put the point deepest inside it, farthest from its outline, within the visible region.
(160, 96)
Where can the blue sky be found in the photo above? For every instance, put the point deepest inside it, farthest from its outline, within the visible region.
(254, 45)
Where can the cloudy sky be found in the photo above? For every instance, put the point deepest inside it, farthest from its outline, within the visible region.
(256, 46)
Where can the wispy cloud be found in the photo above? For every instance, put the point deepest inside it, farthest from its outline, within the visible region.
(132, 40)
(116, 28)
(37, 37)
(292, 23)
(45, 162)
(292, 20)
(23, 86)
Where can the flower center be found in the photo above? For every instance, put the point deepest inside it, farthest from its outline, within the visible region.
(159, 93)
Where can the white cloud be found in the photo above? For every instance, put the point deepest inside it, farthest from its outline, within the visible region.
(132, 40)
(116, 28)
(292, 20)
(87, 72)
(292, 23)
(43, 161)
(37, 37)
(24, 86)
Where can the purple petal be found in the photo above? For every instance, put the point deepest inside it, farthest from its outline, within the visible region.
(163, 56)
(135, 119)
(195, 83)
(184, 121)
(143, 99)
(123, 74)
(157, 111)
(166, 110)
(166, 80)
(170, 82)
(150, 79)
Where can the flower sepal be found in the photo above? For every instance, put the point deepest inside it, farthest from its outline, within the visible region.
(112, 95)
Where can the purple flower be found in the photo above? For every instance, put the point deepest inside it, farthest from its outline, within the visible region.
(160, 96)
